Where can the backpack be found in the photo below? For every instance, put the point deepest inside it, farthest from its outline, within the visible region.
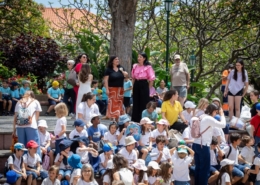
(23, 116)
(46, 162)
(195, 127)
(7, 167)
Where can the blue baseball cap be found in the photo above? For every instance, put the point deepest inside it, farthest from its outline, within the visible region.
(217, 117)
(257, 106)
(108, 146)
(65, 144)
(123, 119)
(20, 146)
(11, 177)
(79, 123)
(82, 139)
(14, 83)
(75, 161)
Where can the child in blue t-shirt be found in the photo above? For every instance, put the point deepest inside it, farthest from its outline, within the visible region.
(15, 95)
(150, 111)
(25, 87)
(128, 86)
(6, 97)
(99, 102)
(54, 96)
(95, 133)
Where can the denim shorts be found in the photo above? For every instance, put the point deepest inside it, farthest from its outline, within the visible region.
(238, 170)
(182, 90)
(52, 102)
(213, 169)
(181, 183)
(65, 172)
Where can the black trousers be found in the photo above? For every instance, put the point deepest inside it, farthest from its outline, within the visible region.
(70, 93)
(140, 99)
(179, 126)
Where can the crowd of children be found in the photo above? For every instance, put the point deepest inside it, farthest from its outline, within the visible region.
(91, 152)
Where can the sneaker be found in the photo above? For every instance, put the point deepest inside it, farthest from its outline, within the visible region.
(3, 113)
(8, 113)
(46, 114)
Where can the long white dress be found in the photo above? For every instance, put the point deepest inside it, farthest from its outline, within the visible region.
(83, 89)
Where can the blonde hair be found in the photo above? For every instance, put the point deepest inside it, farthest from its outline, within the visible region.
(61, 110)
(202, 103)
(54, 169)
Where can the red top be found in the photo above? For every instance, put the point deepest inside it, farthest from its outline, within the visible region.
(255, 121)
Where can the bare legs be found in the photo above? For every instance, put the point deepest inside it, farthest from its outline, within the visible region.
(234, 102)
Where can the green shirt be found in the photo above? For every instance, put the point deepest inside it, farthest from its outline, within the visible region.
(66, 77)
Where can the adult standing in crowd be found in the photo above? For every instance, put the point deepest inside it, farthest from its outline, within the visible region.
(81, 59)
(143, 77)
(180, 78)
(171, 109)
(201, 145)
(27, 130)
(223, 86)
(85, 79)
(69, 91)
(237, 80)
(114, 84)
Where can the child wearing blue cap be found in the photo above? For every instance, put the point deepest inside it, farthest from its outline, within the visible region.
(79, 129)
(121, 134)
(15, 162)
(74, 162)
(105, 157)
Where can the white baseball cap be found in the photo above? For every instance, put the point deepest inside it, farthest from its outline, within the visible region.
(145, 120)
(154, 165)
(163, 122)
(42, 123)
(189, 104)
(140, 165)
(177, 57)
(225, 162)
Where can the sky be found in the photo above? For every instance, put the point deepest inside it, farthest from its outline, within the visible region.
(55, 3)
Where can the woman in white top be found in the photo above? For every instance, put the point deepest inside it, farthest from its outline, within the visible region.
(87, 176)
(237, 80)
(201, 145)
(121, 171)
(85, 79)
(27, 131)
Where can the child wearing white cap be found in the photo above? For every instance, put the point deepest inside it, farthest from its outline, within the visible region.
(161, 129)
(189, 110)
(152, 172)
(224, 177)
(45, 140)
(140, 175)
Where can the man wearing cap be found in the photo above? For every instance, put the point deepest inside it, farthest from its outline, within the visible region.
(54, 96)
(180, 78)
(223, 86)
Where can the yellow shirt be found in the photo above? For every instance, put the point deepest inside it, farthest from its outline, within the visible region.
(171, 112)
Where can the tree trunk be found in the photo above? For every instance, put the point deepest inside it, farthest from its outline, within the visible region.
(123, 14)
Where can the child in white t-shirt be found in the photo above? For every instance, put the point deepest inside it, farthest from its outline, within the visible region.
(152, 172)
(181, 161)
(121, 134)
(189, 109)
(105, 157)
(186, 135)
(162, 129)
(161, 153)
(79, 129)
(165, 177)
(45, 140)
(112, 134)
(140, 175)
(108, 175)
(145, 142)
(74, 162)
(248, 152)
(52, 179)
(15, 162)
(219, 134)
(256, 171)
(224, 177)
(61, 111)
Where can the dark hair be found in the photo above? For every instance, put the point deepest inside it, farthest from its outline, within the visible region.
(5, 81)
(150, 171)
(84, 72)
(77, 60)
(258, 145)
(108, 172)
(87, 96)
(118, 182)
(214, 140)
(111, 124)
(119, 162)
(151, 104)
(121, 127)
(165, 166)
(256, 93)
(234, 137)
(240, 60)
(223, 170)
(246, 139)
(94, 82)
(160, 138)
(146, 62)
(168, 95)
(140, 176)
(211, 108)
(110, 61)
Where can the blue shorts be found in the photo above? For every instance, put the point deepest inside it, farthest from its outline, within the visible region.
(213, 169)
(64, 173)
(6, 97)
(181, 183)
(239, 169)
(52, 102)
(139, 148)
(182, 90)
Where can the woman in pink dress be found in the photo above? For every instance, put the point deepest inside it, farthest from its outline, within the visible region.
(143, 77)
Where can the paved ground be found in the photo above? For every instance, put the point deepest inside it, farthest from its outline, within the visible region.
(6, 123)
